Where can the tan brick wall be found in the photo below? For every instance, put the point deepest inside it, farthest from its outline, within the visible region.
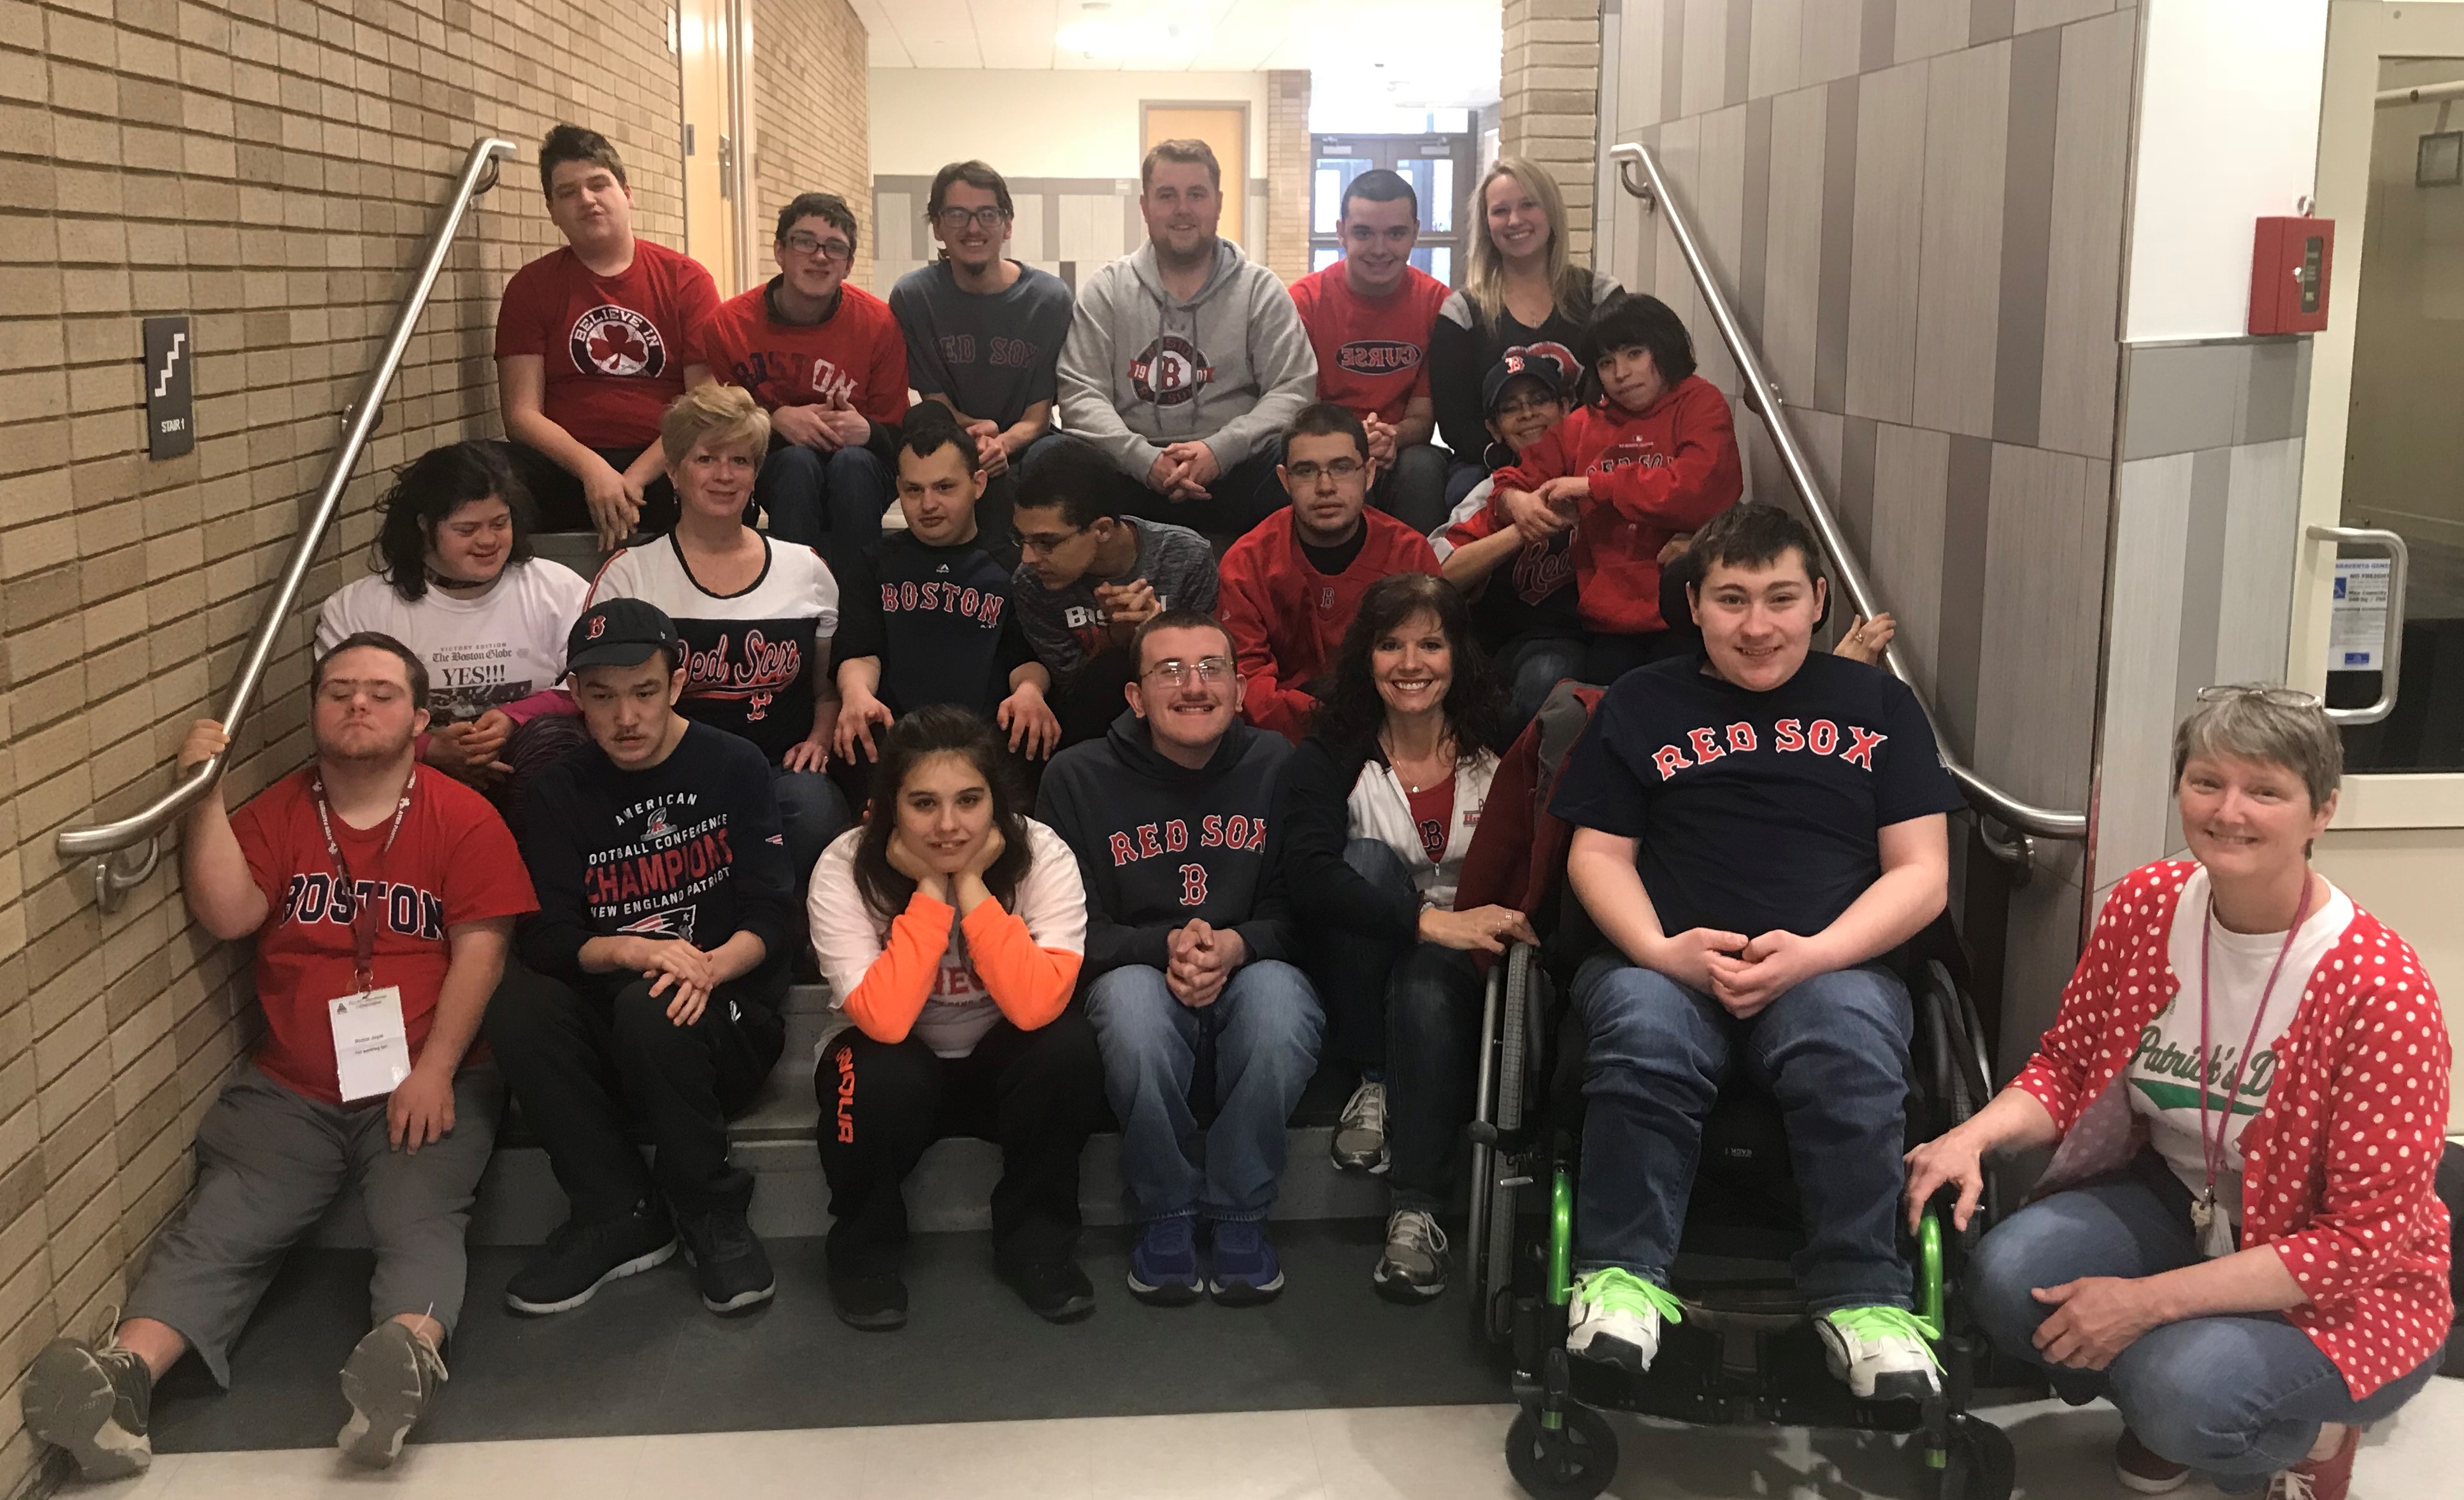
(269, 167)
(811, 120)
(1288, 173)
(1550, 95)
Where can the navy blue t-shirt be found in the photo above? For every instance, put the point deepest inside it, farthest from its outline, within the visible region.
(1756, 811)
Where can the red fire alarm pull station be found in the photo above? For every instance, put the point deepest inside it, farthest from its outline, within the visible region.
(2288, 275)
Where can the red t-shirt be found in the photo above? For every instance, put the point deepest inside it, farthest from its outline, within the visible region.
(857, 352)
(614, 348)
(453, 862)
(1372, 354)
(1433, 808)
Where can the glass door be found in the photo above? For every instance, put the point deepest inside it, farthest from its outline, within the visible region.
(1438, 168)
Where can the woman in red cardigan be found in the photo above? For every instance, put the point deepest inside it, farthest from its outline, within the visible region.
(2254, 1269)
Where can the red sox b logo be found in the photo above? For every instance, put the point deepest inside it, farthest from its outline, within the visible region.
(1170, 372)
(598, 626)
(1193, 885)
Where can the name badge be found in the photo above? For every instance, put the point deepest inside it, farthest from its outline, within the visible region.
(371, 1050)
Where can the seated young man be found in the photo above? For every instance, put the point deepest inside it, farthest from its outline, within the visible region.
(1757, 827)
(365, 879)
(1188, 940)
(651, 976)
(593, 341)
(826, 361)
(1289, 588)
(1090, 576)
(927, 614)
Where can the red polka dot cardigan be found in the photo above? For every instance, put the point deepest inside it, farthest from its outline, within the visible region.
(2337, 1165)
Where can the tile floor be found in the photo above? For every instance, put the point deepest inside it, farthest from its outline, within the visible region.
(1386, 1453)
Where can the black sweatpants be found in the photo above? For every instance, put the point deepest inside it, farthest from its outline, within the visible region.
(557, 500)
(1037, 1094)
(586, 1063)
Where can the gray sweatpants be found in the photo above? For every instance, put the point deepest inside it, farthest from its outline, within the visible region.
(269, 1163)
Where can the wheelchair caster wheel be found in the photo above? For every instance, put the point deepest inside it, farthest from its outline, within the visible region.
(1980, 1465)
(1574, 1463)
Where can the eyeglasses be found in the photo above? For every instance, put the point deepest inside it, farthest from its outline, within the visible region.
(2272, 695)
(1043, 543)
(1307, 472)
(1530, 406)
(1173, 672)
(828, 248)
(953, 219)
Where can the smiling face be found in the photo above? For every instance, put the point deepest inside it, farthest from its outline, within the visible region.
(938, 494)
(1378, 239)
(971, 243)
(1326, 475)
(1630, 377)
(1186, 689)
(1527, 408)
(814, 255)
(1413, 666)
(2245, 819)
(1518, 226)
(364, 709)
(945, 807)
(630, 710)
(469, 546)
(716, 483)
(1758, 620)
(590, 205)
(1181, 207)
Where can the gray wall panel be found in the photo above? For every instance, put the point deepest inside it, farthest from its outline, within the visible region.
(1959, 295)
(1882, 301)
(1776, 46)
(2027, 238)
(2083, 273)
(1704, 82)
(2134, 814)
(2030, 14)
(1829, 35)
(1928, 28)
(2045, 551)
(1911, 474)
(1793, 233)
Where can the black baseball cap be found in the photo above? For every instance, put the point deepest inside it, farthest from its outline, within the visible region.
(620, 632)
(1531, 364)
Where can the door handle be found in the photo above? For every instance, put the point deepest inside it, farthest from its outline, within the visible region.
(727, 166)
(2391, 653)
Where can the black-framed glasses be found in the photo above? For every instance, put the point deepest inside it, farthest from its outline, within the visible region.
(954, 218)
(804, 244)
(1340, 469)
(1044, 543)
(2270, 693)
(1173, 672)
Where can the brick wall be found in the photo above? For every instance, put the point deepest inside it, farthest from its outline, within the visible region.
(269, 167)
(1288, 173)
(811, 122)
(1548, 107)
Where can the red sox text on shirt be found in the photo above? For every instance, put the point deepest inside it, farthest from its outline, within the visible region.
(1155, 840)
(316, 897)
(765, 668)
(1789, 737)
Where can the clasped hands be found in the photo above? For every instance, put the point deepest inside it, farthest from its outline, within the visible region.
(1742, 974)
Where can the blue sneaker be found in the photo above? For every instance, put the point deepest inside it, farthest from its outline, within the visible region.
(1163, 1264)
(1247, 1272)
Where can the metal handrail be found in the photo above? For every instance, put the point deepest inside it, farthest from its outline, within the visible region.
(140, 832)
(2023, 818)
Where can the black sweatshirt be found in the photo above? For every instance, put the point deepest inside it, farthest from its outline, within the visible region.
(1160, 844)
(688, 848)
(942, 620)
(1461, 348)
(1314, 819)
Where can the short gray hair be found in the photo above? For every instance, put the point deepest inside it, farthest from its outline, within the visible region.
(2261, 721)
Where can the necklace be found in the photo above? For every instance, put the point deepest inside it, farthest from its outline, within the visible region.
(1441, 757)
(2214, 1230)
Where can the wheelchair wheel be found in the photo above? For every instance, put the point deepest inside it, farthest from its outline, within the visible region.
(1980, 1465)
(1574, 1463)
(1515, 1039)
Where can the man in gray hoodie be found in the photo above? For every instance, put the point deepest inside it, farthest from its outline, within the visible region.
(1186, 359)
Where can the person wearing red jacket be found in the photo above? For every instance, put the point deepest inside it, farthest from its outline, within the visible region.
(1288, 588)
(827, 360)
(1649, 457)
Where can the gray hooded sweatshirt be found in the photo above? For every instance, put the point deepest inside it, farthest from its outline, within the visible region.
(1232, 366)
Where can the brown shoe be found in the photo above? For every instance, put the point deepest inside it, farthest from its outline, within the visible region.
(2143, 1469)
(2319, 1478)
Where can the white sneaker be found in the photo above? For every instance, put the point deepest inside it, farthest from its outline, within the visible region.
(1881, 1353)
(1616, 1317)
(1414, 1266)
(1359, 1140)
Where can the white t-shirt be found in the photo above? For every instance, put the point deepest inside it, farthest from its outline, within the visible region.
(482, 652)
(2164, 1072)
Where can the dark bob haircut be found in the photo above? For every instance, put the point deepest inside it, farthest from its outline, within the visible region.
(431, 488)
(1633, 319)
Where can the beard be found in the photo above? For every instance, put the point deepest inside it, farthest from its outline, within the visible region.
(365, 748)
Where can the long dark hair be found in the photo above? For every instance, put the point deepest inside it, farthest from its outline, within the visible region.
(433, 486)
(1621, 322)
(1350, 712)
(939, 729)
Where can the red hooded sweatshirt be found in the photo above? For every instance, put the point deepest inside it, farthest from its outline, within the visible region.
(1655, 473)
(1286, 618)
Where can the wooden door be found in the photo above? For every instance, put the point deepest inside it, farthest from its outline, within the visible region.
(707, 38)
(1225, 127)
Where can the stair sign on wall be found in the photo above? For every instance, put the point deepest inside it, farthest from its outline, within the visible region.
(170, 409)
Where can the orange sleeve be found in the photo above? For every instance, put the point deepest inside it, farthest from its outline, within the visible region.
(1029, 984)
(891, 994)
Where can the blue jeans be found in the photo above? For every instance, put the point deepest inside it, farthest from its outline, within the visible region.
(816, 498)
(812, 811)
(2238, 1396)
(1264, 1029)
(1531, 665)
(1831, 1052)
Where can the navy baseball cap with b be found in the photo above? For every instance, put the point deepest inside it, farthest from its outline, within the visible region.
(1535, 365)
(620, 632)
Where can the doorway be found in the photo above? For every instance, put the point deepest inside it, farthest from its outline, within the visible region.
(1225, 129)
(1438, 168)
(713, 38)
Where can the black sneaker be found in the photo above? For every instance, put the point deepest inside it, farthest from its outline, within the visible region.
(1056, 1292)
(581, 1258)
(875, 1304)
(387, 1380)
(93, 1401)
(732, 1266)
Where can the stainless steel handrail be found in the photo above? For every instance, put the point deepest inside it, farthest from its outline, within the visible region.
(2023, 818)
(2391, 651)
(133, 843)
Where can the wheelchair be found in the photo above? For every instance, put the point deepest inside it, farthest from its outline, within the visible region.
(1745, 1352)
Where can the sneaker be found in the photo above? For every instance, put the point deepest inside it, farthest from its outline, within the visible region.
(2143, 1469)
(875, 1304)
(2327, 1478)
(1056, 1292)
(1163, 1264)
(1247, 1272)
(1359, 1140)
(1881, 1353)
(1413, 1268)
(1615, 1318)
(581, 1258)
(93, 1401)
(727, 1260)
(387, 1380)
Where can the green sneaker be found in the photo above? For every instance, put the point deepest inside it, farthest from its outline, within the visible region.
(1615, 1318)
(1881, 1353)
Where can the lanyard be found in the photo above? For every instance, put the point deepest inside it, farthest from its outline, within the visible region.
(365, 914)
(2212, 1149)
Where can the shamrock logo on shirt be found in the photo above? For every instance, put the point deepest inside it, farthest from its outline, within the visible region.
(617, 341)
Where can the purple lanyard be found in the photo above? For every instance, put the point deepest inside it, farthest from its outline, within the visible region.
(2211, 1151)
(364, 914)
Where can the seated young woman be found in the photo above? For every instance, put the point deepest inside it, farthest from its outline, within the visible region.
(456, 581)
(1377, 810)
(2239, 1241)
(951, 927)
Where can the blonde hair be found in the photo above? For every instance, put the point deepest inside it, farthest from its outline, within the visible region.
(1569, 284)
(725, 417)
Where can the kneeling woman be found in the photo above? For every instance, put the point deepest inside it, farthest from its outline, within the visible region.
(2255, 1269)
(1378, 809)
(951, 927)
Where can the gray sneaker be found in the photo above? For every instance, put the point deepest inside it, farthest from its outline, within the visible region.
(387, 1380)
(93, 1401)
(1414, 1266)
(1359, 1142)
